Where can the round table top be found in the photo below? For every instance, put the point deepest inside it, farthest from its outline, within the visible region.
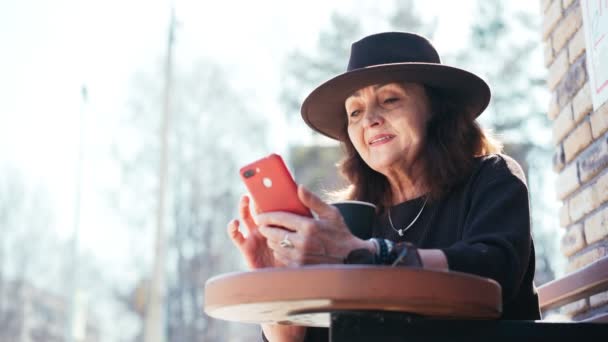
(306, 295)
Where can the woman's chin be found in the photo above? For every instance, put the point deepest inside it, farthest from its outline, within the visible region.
(383, 165)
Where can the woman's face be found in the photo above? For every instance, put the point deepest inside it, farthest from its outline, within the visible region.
(387, 124)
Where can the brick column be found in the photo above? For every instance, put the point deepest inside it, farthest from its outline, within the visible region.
(581, 142)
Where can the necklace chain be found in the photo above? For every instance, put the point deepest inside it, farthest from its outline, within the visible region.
(403, 230)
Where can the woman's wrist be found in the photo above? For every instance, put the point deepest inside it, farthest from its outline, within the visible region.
(363, 252)
(387, 252)
(371, 246)
(357, 243)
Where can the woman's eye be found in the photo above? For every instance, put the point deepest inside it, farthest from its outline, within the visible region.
(354, 113)
(390, 100)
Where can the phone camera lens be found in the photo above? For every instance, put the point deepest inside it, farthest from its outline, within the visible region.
(249, 173)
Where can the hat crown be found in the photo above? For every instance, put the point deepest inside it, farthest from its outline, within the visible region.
(391, 47)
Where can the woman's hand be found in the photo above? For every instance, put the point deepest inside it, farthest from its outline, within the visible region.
(254, 247)
(322, 240)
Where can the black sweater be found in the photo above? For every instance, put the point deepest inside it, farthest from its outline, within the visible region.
(482, 226)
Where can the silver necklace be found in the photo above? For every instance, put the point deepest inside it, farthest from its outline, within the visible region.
(403, 230)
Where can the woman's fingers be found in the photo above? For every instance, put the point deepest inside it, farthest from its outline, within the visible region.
(316, 204)
(297, 257)
(275, 235)
(235, 235)
(287, 255)
(254, 207)
(245, 213)
(285, 220)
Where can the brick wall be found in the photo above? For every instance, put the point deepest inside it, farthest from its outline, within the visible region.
(581, 146)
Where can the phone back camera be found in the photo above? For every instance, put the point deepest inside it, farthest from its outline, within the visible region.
(249, 173)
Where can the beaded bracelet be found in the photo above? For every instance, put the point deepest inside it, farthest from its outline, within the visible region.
(391, 248)
(384, 248)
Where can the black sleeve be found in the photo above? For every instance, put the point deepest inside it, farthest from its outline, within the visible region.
(496, 238)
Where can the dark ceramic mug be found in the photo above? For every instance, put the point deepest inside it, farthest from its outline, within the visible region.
(358, 216)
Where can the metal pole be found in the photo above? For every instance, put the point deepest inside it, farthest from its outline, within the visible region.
(154, 321)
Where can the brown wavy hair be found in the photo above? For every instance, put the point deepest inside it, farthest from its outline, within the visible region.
(453, 139)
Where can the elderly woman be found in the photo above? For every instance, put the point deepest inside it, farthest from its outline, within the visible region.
(446, 199)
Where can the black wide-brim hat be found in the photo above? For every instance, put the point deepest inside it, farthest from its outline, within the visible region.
(391, 57)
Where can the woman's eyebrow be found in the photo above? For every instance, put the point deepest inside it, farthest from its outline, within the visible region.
(375, 87)
(391, 86)
(379, 85)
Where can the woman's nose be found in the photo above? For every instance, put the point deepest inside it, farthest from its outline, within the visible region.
(373, 118)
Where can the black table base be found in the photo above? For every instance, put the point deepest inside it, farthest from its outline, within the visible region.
(359, 326)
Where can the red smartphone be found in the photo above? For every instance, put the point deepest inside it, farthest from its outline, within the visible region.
(272, 187)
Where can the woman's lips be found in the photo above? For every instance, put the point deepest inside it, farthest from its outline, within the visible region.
(380, 139)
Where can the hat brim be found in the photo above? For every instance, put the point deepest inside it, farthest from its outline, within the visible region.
(323, 110)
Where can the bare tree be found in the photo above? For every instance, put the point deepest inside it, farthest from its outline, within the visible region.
(25, 227)
(29, 251)
(213, 131)
(305, 70)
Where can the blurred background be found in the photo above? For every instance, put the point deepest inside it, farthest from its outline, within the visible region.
(123, 125)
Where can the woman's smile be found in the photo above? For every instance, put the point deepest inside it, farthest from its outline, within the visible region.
(381, 139)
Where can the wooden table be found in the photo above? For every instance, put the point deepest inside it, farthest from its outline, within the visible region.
(382, 304)
(307, 295)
